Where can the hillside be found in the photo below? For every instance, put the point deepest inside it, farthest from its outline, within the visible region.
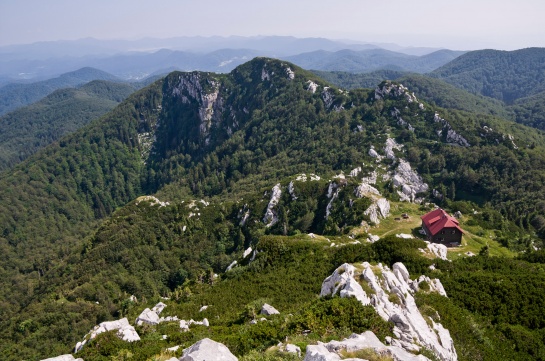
(27, 129)
(434, 91)
(503, 75)
(365, 61)
(13, 96)
(228, 153)
(349, 81)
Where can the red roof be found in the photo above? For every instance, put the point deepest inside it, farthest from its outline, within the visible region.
(438, 219)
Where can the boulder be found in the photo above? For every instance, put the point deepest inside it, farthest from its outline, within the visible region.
(124, 331)
(343, 282)
(147, 316)
(207, 350)
(269, 310)
(438, 250)
(320, 353)
(158, 308)
(293, 349)
(247, 252)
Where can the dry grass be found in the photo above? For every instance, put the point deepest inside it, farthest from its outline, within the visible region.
(367, 354)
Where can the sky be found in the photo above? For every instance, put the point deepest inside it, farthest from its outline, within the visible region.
(453, 24)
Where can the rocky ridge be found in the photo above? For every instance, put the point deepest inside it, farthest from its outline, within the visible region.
(393, 301)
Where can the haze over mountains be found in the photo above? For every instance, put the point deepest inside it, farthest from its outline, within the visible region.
(138, 59)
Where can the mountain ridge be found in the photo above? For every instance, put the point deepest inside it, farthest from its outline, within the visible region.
(216, 146)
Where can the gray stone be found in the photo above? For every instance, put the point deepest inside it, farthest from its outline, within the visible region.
(269, 310)
(124, 331)
(147, 316)
(342, 281)
(320, 353)
(270, 217)
(207, 350)
(293, 349)
(158, 308)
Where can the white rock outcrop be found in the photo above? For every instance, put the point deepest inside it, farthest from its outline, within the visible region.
(389, 89)
(411, 329)
(342, 281)
(312, 86)
(409, 181)
(437, 250)
(451, 136)
(271, 217)
(147, 316)
(207, 350)
(368, 340)
(292, 349)
(124, 331)
(320, 353)
(67, 357)
(184, 325)
(389, 148)
(269, 310)
(153, 201)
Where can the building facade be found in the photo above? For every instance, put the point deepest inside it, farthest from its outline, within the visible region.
(442, 228)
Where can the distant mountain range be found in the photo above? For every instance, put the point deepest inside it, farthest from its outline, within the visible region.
(138, 59)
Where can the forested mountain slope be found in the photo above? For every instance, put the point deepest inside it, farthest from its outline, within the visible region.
(13, 96)
(503, 75)
(369, 60)
(27, 129)
(234, 140)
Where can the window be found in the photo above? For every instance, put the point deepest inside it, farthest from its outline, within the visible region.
(442, 232)
(453, 231)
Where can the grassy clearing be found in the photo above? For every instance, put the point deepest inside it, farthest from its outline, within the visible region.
(474, 238)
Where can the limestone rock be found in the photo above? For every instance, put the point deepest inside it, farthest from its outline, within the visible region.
(409, 181)
(269, 310)
(320, 353)
(389, 147)
(247, 252)
(231, 266)
(369, 340)
(411, 328)
(147, 316)
(438, 250)
(312, 86)
(67, 357)
(292, 349)
(207, 350)
(373, 153)
(158, 308)
(342, 281)
(270, 217)
(124, 330)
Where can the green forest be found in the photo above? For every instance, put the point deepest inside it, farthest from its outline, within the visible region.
(77, 239)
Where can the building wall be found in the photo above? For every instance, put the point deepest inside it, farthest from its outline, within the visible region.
(448, 236)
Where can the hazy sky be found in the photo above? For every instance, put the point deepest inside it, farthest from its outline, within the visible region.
(454, 24)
